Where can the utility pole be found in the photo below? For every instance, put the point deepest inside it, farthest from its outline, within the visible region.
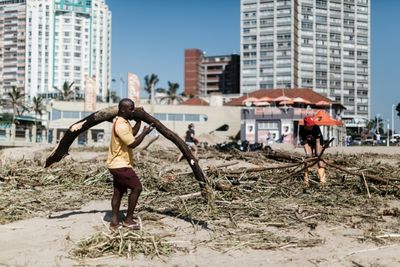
(387, 134)
(393, 106)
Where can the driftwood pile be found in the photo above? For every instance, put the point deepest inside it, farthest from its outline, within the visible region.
(259, 207)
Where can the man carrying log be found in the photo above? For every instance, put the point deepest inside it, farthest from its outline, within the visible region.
(312, 140)
(120, 160)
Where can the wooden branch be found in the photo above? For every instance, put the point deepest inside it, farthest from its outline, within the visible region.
(368, 177)
(314, 161)
(152, 140)
(366, 185)
(188, 196)
(259, 169)
(279, 156)
(108, 114)
(223, 165)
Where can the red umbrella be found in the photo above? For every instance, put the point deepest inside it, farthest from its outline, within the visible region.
(286, 102)
(249, 100)
(282, 98)
(262, 103)
(301, 100)
(323, 103)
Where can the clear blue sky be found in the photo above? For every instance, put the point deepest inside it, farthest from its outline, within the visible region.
(150, 36)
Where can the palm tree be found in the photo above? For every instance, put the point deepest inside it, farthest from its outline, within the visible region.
(38, 107)
(375, 125)
(16, 98)
(172, 93)
(150, 83)
(114, 97)
(66, 92)
(190, 96)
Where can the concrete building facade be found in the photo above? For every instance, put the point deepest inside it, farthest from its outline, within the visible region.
(65, 40)
(211, 74)
(12, 45)
(175, 117)
(318, 44)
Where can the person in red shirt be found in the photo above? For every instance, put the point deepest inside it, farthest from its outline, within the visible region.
(312, 141)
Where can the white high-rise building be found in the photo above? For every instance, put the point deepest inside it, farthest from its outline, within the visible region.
(66, 40)
(12, 45)
(318, 44)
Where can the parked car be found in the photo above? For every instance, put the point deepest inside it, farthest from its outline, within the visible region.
(369, 140)
(395, 139)
(382, 140)
(357, 141)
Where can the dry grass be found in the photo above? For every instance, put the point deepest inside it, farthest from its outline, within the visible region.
(238, 218)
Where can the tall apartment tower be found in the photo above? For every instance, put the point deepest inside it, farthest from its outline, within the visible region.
(12, 45)
(65, 41)
(318, 44)
(211, 74)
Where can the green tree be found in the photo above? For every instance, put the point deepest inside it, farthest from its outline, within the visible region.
(6, 118)
(38, 107)
(150, 83)
(172, 93)
(375, 125)
(398, 109)
(16, 99)
(114, 97)
(66, 92)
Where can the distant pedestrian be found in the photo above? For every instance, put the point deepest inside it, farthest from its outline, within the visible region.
(190, 140)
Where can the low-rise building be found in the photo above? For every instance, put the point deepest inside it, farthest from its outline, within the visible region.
(207, 119)
(275, 116)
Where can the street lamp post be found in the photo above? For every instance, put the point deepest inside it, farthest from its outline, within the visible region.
(377, 123)
(393, 106)
(387, 134)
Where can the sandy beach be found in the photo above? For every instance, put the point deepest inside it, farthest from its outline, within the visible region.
(47, 240)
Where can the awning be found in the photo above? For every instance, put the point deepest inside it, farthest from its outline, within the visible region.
(26, 118)
(322, 118)
(301, 100)
(286, 102)
(262, 103)
(323, 103)
(282, 98)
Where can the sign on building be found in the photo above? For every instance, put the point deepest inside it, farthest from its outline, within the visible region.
(250, 131)
(134, 88)
(90, 93)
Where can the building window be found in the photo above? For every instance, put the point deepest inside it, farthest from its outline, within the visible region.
(70, 115)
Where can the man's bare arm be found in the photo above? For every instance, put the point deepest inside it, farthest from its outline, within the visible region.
(139, 139)
(136, 128)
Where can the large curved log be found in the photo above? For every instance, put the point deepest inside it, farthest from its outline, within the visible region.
(108, 114)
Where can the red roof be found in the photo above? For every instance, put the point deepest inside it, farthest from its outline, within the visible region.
(306, 94)
(195, 102)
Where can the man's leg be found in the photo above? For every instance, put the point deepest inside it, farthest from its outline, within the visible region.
(132, 201)
(115, 205)
(308, 150)
(194, 148)
(321, 173)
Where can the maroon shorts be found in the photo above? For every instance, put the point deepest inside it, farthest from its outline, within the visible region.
(125, 178)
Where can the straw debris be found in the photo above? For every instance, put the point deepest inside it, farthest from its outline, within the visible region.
(260, 207)
(123, 243)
